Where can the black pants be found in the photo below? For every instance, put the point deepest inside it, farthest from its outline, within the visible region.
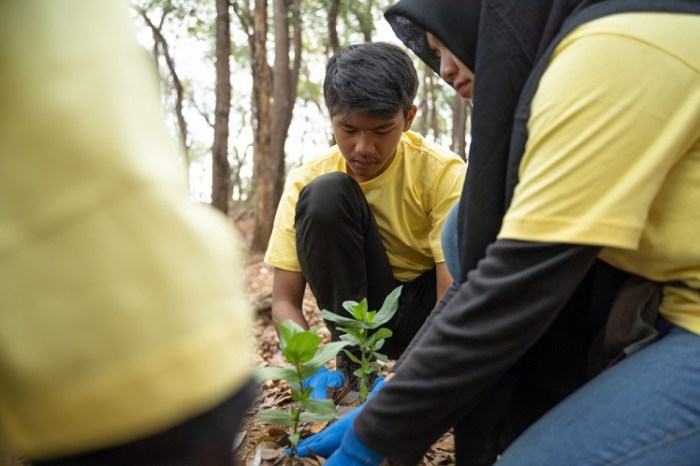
(206, 439)
(342, 258)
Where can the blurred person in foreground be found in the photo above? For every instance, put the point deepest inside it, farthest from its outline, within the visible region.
(577, 218)
(124, 327)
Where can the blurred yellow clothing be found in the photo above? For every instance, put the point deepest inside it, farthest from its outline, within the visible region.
(582, 182)
(122, 307)
(410, 201)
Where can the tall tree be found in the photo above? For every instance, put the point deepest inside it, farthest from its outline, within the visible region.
(363, 12)
(284, 91)
(221, 169)
(429, 120)
(274, 94)
(333, 10)
(460, 115)
(262, 118)
(162, 48)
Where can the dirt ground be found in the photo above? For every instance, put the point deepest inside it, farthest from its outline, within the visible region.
(258, 277)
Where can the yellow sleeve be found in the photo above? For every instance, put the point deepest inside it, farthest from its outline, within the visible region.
(281, 250)
(446, 193)
(602, 137)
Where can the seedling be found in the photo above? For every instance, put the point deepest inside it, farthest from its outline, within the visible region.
(365, 331)
(300, 349)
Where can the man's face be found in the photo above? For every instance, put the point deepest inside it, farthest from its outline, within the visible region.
(368, 143)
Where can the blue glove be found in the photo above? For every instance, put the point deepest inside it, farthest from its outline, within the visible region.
(321, 381)
(353, 452)
(329, 439)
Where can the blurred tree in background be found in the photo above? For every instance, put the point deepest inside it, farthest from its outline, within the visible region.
(239, 136)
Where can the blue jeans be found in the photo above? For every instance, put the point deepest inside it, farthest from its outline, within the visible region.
(643, 411)
(450, 242)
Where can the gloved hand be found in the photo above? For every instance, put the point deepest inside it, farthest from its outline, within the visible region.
(328, 440)
(321, 381)
(352, 452)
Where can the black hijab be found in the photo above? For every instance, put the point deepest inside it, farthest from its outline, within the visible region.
(455, 23)
(513, 35)
(500, 40)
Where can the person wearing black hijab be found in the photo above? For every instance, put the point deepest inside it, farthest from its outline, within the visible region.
(536, 280)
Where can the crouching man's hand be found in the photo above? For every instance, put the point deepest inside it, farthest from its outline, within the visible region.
(339, 442)
(322, 382)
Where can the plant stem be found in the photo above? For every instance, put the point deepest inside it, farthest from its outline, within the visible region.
(296, 412)
(365, 362)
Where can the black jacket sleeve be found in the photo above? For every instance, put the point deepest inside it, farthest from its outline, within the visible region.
(488, 323)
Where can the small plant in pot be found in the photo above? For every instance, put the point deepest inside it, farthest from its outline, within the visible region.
(300, 348)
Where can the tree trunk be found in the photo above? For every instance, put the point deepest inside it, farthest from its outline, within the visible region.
(282, 96)
(363, 13)
(434, 114)
(424, 98)
(160, 43)
(333, 8)
(262, 150)
(459, 126)
(221, 169)
(270, 182)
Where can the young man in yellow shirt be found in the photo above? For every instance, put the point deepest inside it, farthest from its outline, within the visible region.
(366, 216)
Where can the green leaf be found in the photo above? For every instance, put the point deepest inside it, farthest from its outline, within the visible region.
(380, 357)
(359, 333)
(301, 347)
(318, 406)
(352, 357)
(276, 416)
(341, 320)
(302, 395)
(350, 306)
(275, 373)
(324, 354)
(294, 438)
(379, 345)
(314, 417)
(391, 304)
(369, 317)
(287, 329)
(352, 339)
(381, 334)
(358, 310)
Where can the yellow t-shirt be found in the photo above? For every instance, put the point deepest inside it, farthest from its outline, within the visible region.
(409, 200)
(613, 157)
(122, 307)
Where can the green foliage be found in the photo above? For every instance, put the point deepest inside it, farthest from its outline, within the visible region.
(364, 330)
(300, 349)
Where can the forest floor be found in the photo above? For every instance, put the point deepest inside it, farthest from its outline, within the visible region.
(258, 278)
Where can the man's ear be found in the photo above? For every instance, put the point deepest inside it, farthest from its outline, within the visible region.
(410, 115)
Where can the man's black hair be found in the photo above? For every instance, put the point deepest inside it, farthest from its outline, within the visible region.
(375, 78)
